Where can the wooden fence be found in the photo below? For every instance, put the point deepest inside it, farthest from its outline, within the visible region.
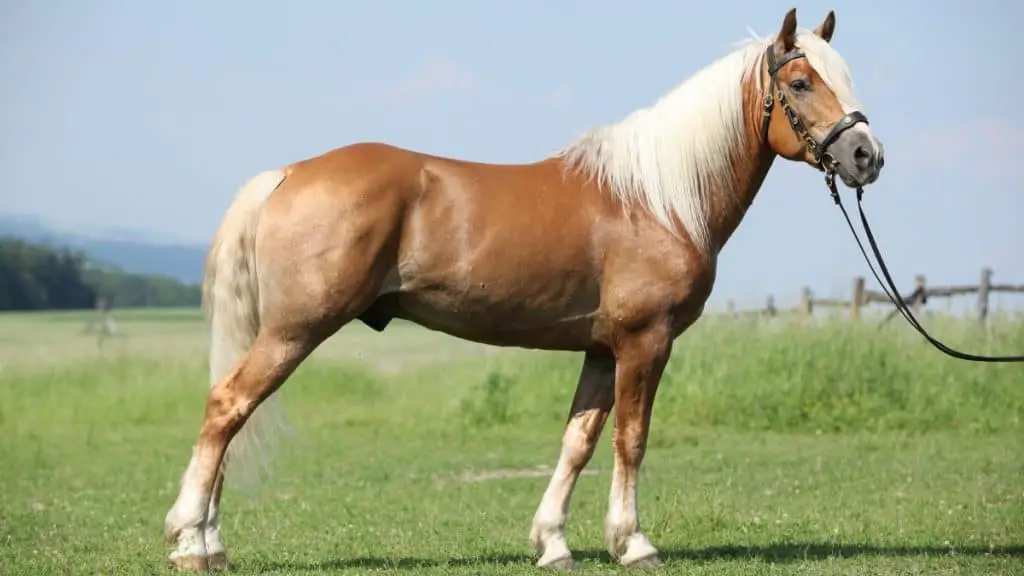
(861, 297)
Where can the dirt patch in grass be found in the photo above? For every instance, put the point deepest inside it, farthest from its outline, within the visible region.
(505, 473)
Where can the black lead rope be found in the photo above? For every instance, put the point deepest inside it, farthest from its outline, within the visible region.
(894, 295)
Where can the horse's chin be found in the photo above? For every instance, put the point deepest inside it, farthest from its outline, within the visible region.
(850, 180)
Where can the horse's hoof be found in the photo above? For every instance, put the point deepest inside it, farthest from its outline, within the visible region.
(218, 561)
(649, 561)
(190, 563)
(563, 564)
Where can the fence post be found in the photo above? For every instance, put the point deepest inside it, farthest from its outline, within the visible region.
(920, 287)
(806, 304)
(857, 298)
(984, 287)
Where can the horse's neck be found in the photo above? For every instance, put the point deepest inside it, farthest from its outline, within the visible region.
(751, 163)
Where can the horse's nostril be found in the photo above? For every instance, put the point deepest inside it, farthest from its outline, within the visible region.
(861, 157)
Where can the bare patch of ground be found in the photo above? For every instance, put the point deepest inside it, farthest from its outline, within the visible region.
(505, 473)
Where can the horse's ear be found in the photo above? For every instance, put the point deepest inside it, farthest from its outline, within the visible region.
(828, 27)
(787, 34)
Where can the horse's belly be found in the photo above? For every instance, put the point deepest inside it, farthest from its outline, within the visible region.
(552, 315)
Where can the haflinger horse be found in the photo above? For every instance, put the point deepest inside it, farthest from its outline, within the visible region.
(608, 247)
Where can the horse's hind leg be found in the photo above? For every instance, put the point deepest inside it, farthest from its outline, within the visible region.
(217, 555)
(590, 407)
(319, 266)
(259, 373)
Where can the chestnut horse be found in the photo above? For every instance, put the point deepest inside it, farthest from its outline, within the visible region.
(608, 247)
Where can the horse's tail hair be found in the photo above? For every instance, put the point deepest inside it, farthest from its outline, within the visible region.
(231, 305)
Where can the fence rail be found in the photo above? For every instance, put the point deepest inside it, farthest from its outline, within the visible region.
(861, 297)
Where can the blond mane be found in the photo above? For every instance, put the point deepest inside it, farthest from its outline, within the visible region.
(671, 155)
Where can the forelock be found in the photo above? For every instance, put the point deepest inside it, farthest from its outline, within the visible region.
(830, 66)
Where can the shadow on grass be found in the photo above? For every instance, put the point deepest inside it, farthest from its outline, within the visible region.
(777, 553)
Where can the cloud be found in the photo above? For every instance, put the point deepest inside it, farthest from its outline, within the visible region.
(434, 75)
(983, 145)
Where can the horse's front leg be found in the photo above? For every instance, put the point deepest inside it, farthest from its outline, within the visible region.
(640, 360)
(590, 408)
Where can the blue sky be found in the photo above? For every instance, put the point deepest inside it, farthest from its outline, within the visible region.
(150, 114)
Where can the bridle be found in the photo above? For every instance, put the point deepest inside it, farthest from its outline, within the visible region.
(822, 159)
(828, 164)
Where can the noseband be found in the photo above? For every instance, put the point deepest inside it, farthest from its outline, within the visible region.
(822, 159)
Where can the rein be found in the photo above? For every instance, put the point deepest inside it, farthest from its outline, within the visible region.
(828, 164)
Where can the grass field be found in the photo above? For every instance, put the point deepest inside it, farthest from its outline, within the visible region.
(776, 449)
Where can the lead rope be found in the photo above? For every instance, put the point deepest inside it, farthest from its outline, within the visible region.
(894, 295)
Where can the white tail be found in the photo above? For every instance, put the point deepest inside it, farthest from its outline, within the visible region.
(231, 303)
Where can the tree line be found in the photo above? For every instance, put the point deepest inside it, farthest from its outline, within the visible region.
(35, 276)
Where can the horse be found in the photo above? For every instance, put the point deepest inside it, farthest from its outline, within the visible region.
(606, 247)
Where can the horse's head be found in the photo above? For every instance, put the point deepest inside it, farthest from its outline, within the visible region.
(810, 113)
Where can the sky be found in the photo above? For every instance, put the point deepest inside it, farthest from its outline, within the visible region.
(117, 113)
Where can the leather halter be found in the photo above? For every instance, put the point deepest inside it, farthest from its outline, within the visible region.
(822, 158)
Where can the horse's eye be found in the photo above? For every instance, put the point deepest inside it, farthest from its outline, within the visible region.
(800, 85)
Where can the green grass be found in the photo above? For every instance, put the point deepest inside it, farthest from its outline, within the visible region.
(776, 449)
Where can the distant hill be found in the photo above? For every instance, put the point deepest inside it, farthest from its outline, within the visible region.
(133, 251)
